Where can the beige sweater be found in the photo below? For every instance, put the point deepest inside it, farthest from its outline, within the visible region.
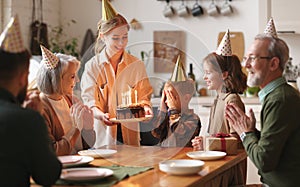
(61, 142)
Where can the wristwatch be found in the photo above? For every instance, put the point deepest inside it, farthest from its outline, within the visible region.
(243, 135)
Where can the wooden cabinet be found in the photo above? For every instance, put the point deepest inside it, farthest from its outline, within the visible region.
(286, 15)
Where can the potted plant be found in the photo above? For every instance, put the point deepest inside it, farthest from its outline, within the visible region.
(59, 43)
(252, 91)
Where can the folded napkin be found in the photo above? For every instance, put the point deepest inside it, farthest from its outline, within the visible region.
(120, 173)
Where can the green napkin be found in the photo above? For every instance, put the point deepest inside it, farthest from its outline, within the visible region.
(120, 173)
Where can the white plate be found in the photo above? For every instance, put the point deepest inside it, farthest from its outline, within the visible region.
(206, 155)
(97, 153)
(83, 160)
(181, 166)
(114, 120)
(82, 174)
(69, 159)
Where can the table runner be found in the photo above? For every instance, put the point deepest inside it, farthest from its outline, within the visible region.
(120, 173)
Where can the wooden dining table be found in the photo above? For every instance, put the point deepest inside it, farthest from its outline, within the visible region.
(230, 170)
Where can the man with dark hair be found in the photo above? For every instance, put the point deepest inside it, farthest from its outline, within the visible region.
(26, 149)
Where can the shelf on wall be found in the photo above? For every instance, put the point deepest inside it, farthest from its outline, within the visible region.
(288, 33)
(187, 0)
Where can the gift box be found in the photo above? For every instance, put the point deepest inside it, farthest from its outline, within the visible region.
(223, 143)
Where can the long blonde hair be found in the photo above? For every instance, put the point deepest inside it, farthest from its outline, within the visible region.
(106, 26)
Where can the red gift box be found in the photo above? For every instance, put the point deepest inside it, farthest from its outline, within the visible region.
(222, 142)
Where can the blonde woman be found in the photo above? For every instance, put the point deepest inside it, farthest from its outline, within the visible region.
(111, 72)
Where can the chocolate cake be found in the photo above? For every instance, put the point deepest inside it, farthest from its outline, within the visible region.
(133, 111)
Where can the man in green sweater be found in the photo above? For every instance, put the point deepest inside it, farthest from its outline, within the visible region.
(274, 150)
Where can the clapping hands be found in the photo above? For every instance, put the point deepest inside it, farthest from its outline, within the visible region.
(82, 116)
(239, 120)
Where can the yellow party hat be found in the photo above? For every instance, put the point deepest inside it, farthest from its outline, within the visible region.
(11, 39)
(49, 58)
(270, 28)
(108, 12)
(224, 48)
(178, 72)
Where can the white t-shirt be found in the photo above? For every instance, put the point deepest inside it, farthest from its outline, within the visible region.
(63, 113)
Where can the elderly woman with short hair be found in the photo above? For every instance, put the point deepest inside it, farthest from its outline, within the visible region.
(63, 112)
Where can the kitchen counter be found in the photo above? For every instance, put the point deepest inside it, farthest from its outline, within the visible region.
(207, 101)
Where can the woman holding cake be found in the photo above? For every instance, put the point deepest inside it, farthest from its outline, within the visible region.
(113, 78)
(223, 73)
(70, 123)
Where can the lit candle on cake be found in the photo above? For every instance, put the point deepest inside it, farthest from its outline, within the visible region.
(135, 96)
(123, 99)
(129, 97)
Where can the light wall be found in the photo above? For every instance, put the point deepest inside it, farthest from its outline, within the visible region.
(201, 32)
(249, 17)
(55, 13)
(51, 14)
(87, 13)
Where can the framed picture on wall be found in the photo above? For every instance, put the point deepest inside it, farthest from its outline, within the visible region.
(167, 46)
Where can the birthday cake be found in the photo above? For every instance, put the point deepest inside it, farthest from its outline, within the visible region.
(131, 111)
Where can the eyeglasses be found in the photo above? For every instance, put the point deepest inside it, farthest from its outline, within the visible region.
(252, 58)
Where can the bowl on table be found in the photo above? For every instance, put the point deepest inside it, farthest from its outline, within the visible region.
(181, 166)
(206, 155)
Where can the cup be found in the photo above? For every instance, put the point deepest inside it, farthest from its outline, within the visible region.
(197, 10)
(213, 9)
(226, 9)
(183, 11)
(168, 11)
